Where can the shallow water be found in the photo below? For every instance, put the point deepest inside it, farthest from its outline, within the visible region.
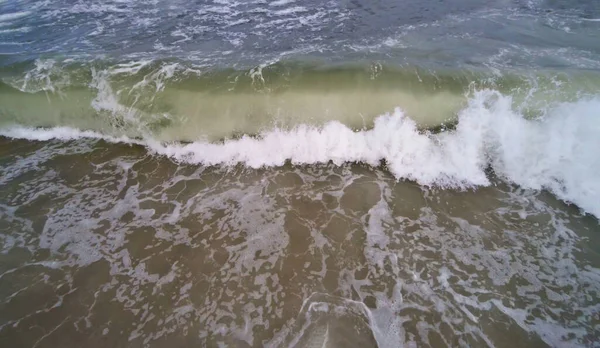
(133, 249)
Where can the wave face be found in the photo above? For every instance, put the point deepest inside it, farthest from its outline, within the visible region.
(557, 152)
(179, 101)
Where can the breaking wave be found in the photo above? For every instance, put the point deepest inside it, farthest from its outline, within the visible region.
(557, 152)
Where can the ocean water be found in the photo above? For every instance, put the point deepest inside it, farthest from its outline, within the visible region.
(293, 173)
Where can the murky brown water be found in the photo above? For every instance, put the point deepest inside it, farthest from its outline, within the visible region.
(109, 246)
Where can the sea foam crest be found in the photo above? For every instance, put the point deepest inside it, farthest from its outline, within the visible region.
(558, 153)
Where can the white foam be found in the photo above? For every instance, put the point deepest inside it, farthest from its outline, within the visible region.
(12, 16)
(59, 133)
(281, 2)
(290, 10)
(558, 153)
(16, 30)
